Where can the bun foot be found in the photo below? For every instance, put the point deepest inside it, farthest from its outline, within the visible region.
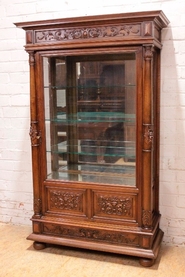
(146, 262)
(39, 245)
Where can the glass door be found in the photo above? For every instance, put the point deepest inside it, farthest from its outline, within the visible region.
(90, 118)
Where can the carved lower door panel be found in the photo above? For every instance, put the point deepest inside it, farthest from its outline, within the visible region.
(114, 206)
(91, 214)
(90, 204)
(65, 201)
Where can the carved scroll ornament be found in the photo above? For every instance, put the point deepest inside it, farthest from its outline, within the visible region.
(91, 234)
(87, 33)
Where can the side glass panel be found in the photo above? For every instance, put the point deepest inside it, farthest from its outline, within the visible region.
(90, 118)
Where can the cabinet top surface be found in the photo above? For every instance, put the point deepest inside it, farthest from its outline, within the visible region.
(158, 16)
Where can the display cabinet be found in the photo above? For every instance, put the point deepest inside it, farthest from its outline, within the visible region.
(94, 95)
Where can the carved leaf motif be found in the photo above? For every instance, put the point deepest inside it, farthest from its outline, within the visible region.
(148, 52)
(35, 135)
(148, 133)
(147, 218)
(31, 59)
(91, 234)
(115, 205)
(37, 206)
(65, 200)
(84, 33)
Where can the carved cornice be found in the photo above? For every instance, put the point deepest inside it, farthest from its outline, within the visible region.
(87, 33)
(91, 234)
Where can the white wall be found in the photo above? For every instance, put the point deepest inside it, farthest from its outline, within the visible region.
(15, 157)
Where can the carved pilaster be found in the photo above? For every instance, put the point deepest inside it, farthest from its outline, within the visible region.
(35, 137)
(147, 136)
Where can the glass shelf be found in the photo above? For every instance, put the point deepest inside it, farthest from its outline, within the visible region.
(89, 148)
(92, 117)
(121, 174)
(81, 87)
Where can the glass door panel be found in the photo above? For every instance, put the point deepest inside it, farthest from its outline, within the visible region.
(90, 118)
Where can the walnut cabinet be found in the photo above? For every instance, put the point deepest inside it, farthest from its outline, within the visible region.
(94, 106)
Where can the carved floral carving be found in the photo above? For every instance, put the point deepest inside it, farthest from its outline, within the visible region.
(91, 234)
(65, 200)
(115, 205)
(87, 33)
(147, 218)
(148, 52)
(35, 135)
(31, 58)
(148, 134)
(37, 206)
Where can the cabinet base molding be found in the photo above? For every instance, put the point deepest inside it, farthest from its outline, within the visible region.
(147, 256)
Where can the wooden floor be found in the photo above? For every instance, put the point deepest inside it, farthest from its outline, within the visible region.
(19, 259)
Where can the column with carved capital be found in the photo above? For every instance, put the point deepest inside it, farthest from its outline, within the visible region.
(35, 137)
(147, 147)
